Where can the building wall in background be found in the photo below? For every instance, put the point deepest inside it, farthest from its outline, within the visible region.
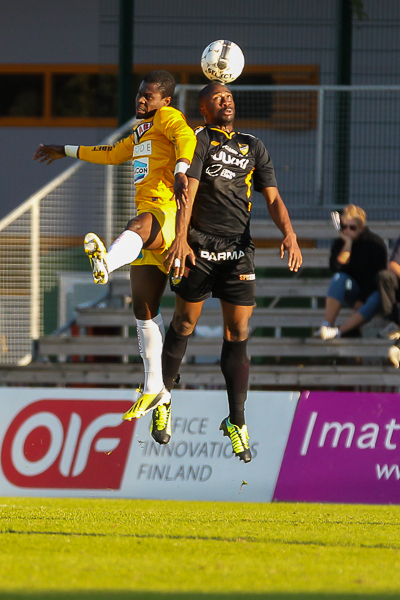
(291, 32)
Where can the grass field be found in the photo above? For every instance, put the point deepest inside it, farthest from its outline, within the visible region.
(120, 549)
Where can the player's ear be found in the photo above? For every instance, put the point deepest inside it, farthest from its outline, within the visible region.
(203, 111)
(167, 100)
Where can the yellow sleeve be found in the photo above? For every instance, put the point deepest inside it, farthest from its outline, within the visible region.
(108, 155)
(172, 124)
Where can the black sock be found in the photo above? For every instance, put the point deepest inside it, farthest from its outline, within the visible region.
(235, 368)
(173, 352)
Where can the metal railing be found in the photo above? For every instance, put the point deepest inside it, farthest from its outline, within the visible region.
(303, 129)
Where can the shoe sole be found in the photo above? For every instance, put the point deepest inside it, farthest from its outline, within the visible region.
(135, 412)
(95, 250)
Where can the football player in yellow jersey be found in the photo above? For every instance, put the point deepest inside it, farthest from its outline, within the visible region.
(161, 148)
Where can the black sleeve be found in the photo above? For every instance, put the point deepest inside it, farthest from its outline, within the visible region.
(264, 173)
(395, 256)
(200, 153)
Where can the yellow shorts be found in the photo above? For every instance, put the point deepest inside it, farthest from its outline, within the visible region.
(166, 216)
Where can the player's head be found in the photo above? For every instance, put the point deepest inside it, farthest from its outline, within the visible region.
(217, 105)
(352, 220)
(156, 90)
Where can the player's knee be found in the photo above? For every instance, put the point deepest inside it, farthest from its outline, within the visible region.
(183, 325)
(136, 225)
(237, 332)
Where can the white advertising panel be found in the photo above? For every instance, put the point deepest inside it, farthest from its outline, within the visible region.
(72, 442)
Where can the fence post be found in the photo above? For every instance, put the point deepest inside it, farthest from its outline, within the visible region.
(109, 205)
(181, 91)
(319, 158)
(35, 270)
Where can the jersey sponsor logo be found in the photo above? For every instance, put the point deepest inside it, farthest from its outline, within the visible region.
(227, 159)
(221, 256)
(141, 130)
(244, 149)
(214, 170)
(140, 169)
(229, 149)
(103, 148)
(142, 149)
(227, 174)
(247, 277)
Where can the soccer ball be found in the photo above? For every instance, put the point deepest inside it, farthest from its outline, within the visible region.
(222, 61)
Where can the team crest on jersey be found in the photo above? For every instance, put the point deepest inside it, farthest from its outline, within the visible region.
(244, 148)
(141, 130)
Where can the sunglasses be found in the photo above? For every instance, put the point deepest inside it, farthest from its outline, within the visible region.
(351, 227)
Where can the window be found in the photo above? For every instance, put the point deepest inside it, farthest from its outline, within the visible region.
(87, 95)
(21, 95)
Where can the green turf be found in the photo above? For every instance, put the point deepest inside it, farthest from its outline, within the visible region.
(120, 549)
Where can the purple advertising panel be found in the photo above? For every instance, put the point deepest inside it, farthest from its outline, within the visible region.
(343, 447)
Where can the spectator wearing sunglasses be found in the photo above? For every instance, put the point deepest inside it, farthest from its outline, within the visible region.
(356, 258)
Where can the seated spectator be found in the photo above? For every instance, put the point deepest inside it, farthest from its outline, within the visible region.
(357, 256)
(389, 288)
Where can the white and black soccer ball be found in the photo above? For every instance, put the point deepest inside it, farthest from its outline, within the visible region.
(222, 61)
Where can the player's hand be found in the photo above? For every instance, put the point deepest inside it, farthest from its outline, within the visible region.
(295, 259)
(181, 189)
(175, 257)
(49, 154)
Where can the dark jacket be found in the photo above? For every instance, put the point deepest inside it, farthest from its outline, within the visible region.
(368, 257)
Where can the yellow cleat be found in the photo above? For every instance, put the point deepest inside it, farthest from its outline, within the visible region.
(239, 437)
(145, 403)
(160, 426)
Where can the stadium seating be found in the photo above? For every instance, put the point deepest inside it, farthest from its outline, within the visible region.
(284, 352)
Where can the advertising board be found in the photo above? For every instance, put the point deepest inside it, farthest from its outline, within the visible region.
(72, 442)
(343, 447)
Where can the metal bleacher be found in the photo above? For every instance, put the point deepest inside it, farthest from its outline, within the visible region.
(101, 347)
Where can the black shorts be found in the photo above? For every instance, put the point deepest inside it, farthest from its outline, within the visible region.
(224, 268)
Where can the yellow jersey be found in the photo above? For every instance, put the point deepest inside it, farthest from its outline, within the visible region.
(154, 148)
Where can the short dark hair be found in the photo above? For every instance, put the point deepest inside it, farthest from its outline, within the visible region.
(207, 90)
(165, 81)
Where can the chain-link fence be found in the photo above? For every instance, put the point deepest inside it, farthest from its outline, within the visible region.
(329, 145)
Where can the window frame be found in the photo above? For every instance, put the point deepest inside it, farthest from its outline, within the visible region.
(282, 74)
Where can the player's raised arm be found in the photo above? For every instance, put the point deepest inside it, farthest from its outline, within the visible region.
(280, 216)
(103, 155)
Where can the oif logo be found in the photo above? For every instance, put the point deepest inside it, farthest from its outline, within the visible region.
(70, 444)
